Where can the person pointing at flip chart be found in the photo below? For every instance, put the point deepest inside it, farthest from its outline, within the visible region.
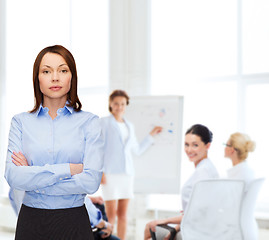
(120, 143)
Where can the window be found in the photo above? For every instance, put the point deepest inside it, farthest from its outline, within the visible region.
(257, 119)
(192, 40)
(255, 36)
(90, 43)
(215, 54)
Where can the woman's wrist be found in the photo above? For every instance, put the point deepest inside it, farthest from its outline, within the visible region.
(75, 168)
(104, 225)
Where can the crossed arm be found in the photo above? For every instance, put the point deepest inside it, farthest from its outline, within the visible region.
(19, 160)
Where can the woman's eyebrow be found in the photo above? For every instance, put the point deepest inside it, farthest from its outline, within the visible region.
(51, 67)
(63, 64)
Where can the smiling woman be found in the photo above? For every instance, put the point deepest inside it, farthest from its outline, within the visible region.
(198, 139)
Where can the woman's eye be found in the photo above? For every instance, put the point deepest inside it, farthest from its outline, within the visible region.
(45, 71)
(64, 71)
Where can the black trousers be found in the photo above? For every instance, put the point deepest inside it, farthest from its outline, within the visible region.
(53, 224)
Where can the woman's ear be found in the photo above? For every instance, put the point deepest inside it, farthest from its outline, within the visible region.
(208, 145)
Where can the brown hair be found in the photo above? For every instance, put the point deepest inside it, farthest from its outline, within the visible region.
(72, 97)
(242, 144)
(117, 93)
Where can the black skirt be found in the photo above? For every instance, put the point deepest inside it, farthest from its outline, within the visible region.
(53, 224)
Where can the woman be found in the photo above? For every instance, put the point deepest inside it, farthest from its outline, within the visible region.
(237, 148)
(95, 209)
(117, 182)
(54, 153)
(197, 143)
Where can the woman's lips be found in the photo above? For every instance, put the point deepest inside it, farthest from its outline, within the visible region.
(55, 88)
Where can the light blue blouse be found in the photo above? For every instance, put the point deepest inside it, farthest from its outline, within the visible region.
(49, 146)
(118, 155)
(16, 197)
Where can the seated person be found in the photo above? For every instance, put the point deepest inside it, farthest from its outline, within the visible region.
(102, 228)
(237, 148)
(197, 143)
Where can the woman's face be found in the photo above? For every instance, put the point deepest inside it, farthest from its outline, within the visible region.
(195, 148)
(228, 150)
(118, 106)
(54, 77)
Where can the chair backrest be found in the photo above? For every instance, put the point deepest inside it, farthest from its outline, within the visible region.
(213, 211)
(248, 222)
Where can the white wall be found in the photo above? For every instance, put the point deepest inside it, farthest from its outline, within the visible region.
(2, 82)
(130, 46)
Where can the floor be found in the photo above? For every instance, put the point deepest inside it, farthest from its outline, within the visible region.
(263, 235)
(4, 235)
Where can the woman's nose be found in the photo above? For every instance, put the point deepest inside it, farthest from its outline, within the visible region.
(55, 76)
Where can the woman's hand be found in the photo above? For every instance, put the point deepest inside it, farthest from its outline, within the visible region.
(18, 159)
(75, 168)
(151, 225)
(156, 130)
(107, 231)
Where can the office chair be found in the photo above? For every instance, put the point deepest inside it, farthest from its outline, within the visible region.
(248, 221)
(214, 211)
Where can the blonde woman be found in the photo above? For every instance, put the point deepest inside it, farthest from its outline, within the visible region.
(237, 148)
